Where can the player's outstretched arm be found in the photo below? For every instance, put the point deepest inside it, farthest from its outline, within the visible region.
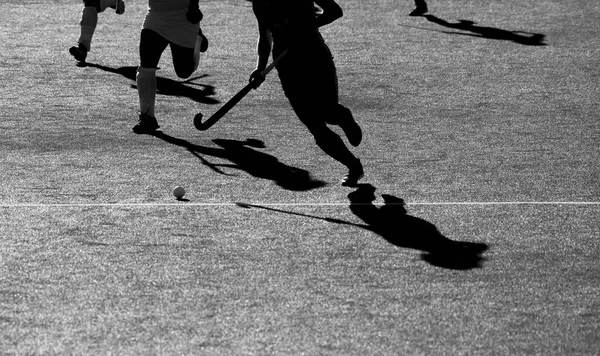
(331, 12)
(263, 48)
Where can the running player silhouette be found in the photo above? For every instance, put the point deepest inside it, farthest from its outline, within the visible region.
(89, 21)
(173, 23)
(307, 73)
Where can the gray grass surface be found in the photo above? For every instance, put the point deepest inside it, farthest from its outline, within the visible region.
(266, 256)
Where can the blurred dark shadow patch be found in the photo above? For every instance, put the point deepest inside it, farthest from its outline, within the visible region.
(392, 222)
(245, 156)
(520, 37)
(200, 93)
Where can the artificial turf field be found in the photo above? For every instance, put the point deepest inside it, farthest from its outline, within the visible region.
(488, 132)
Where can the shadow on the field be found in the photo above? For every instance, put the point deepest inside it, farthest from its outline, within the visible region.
(166, 86)
(520, 37)
(392, 222)
(243, 156)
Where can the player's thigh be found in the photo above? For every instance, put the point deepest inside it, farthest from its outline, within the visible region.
(306, 83)
(100, 5)
(93, 3)
(183, 60)
(152, 45)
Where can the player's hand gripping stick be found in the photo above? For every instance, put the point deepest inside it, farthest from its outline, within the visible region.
(236, 99)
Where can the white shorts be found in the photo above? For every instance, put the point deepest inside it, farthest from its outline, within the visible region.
(167, 18)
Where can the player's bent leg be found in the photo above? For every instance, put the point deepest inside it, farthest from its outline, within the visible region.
(203, 45)
(322, 75)
(332, 145)
(200, 47)
(89, 21)
(339, 115)
(349, 125)
(184, 60)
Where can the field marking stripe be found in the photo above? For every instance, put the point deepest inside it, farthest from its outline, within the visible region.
(183, 204)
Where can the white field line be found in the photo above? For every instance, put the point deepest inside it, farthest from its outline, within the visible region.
(188, 204)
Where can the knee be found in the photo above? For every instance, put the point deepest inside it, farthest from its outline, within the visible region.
(184, 72)
(334, 114)
(143, 72)
(322, 135)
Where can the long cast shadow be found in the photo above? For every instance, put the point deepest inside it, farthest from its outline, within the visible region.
(392, 222)
(165, 86)
(244, 156)
(520, 37)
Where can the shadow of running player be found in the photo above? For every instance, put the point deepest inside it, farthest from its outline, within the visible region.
(165, 86)
(244, 156)
(392, 222)
(520, 37)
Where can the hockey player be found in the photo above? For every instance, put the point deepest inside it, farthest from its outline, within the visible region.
(89, 21)
(168, 23)
(307, 73)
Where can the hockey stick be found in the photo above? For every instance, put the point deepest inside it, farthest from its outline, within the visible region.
(233, 101)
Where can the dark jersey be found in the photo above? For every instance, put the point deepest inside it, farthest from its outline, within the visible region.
(307, 74)
(291, 22)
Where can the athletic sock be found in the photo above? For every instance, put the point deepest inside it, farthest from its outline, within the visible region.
(146, 83)
(89, 20)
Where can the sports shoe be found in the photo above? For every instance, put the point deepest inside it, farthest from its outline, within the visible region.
(351, 128)
(355, 173)
(146, 124)
(204, 41)
(79, 53)
(420, 10)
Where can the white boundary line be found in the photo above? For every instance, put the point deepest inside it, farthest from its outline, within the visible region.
(188, 204)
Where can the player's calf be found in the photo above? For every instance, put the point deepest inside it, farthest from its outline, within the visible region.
(349, 125)
(201, 47)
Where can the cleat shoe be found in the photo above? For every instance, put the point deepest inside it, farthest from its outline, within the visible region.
(420, 10)
(204, 41)
(351, 128)
(354, 175)
(119, 7)
(146, 125)
(79, 52)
